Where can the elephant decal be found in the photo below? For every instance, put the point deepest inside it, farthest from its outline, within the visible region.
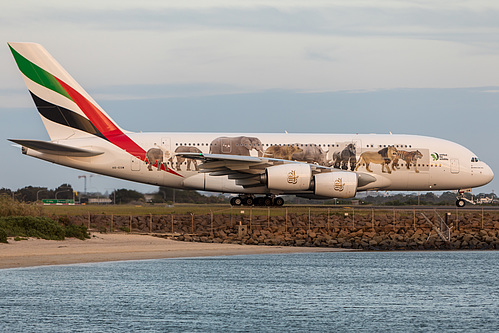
(154, 158)
(238, 145)
(347, 155)
(310, 153)
(180, 159)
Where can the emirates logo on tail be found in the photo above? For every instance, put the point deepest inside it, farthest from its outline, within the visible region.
(292, 177)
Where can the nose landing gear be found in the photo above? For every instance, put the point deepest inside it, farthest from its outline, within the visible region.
(461, 198)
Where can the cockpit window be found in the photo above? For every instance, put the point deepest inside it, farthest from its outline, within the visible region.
(474, 159)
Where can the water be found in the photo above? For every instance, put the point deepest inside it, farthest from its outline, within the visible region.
(366, 292)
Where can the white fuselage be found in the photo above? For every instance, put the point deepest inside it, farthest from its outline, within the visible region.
(430, 164)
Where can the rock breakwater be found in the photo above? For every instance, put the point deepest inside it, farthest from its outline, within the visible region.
(362, 229)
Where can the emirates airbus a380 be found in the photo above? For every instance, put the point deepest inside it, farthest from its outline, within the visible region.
(256, 167)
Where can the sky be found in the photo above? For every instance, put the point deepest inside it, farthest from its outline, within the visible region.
(408, 67)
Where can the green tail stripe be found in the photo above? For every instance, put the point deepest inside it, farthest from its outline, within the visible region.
(37, 74)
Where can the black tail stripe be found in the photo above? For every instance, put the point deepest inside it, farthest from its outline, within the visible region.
(65, 117)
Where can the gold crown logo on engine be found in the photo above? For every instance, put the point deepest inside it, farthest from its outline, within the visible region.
(339, 185)
(292, 177)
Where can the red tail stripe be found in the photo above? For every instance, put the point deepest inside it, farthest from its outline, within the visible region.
(106, 126)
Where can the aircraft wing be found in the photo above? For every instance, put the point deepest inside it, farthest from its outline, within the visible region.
(55, 148)
(247, 170)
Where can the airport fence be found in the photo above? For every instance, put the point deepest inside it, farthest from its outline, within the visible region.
(289, 219)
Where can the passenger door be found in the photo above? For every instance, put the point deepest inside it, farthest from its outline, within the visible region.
(454, 165)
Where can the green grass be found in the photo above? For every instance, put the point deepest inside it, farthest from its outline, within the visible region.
(206, 209)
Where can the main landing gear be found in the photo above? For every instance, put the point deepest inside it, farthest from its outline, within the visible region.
(256, 201)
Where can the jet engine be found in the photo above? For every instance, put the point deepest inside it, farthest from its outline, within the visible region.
(289, 177)
(336, 184)
(297, 177)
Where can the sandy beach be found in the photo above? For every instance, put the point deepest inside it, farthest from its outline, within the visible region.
(116, 247)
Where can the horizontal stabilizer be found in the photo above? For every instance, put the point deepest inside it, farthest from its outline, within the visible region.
(56, 149)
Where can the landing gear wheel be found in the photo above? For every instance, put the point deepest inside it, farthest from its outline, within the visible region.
(236, 201)
(248, 201)
(278, 201)
(259, 201)
(460, 203)
(267, 201)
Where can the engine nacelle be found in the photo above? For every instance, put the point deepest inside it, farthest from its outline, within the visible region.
(289, 177)
(336, 184)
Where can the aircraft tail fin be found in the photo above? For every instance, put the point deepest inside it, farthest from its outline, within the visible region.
(66, 109)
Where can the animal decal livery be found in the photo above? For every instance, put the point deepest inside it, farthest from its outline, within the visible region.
(346, 156)
(180, 160)
(240, 145)
(256, 167)
(410, 158)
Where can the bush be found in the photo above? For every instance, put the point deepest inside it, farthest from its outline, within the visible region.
(76, 231)
(3, 236)
(30, 226)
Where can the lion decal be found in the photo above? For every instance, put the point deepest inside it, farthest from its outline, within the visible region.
(384, 157)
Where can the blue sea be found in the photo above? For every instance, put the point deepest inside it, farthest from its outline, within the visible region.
(318, 292)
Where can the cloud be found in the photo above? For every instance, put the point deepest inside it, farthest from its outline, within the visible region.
(451, 21)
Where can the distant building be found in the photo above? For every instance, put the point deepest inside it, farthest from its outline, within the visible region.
(100, 201)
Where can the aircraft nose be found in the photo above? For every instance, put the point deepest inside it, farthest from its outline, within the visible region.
(487, 174)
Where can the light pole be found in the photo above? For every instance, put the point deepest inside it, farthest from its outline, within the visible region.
(43, 189)
(61, 191)
(114, 194)
(164, 195)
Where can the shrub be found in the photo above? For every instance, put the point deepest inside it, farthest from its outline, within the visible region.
(30, 226)
(76, 231)
(3, 236)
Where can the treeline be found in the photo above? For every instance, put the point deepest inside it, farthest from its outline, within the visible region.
(170, 196)
(397, 199)
(119, 196)
(429, 198)
(164, 195)
(34, 193)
